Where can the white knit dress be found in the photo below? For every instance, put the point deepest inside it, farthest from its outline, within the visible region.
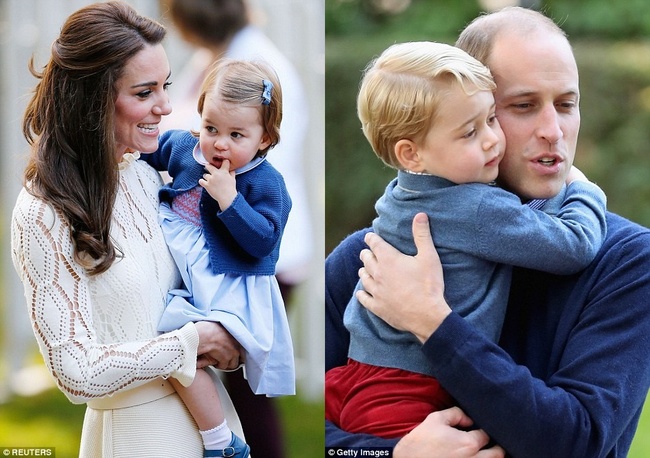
(98, 334)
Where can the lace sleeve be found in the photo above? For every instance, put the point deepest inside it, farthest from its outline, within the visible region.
(60, 310)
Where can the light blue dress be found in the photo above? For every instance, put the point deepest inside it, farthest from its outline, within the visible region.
(250, 307)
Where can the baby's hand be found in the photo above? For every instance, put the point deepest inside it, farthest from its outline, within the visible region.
(575, 175)
(220, 183)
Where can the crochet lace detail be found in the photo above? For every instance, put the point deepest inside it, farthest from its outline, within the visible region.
(98, 334)
(128, 159)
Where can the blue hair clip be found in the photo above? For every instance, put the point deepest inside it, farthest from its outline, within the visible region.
(266, 93)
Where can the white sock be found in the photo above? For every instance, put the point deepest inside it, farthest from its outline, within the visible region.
(217, 438)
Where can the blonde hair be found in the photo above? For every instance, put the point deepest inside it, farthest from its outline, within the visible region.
(243, 82)
(400, 91)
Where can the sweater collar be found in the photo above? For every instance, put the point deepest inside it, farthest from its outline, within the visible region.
(421, 181)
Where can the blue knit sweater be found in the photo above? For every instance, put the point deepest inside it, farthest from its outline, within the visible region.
(245, 238)
(573, 368)
(480, 232)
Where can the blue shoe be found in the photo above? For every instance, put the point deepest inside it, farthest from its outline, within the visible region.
(236, 449)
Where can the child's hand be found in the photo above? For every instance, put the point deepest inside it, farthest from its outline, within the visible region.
(220, 184)
(575, 175)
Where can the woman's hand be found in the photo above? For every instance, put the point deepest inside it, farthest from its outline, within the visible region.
(405, 291)
(438, 435)
(217, 347)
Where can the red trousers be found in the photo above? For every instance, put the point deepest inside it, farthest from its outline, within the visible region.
(385, 402)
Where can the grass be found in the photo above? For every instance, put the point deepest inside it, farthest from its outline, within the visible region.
(641, 444)
(50, 420)
(304, 427)
(44, 420)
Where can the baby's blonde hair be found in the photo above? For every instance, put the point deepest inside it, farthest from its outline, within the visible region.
(400, 91)
(245, 83)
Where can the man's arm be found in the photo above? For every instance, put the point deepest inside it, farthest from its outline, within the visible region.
(438, 435)
(341, 277)
(337, 438)
(414, 303)
(585, 339)
(441, 434)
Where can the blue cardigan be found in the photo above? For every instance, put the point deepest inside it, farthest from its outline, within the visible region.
(572, 369)
(245, 238)
(480, 231)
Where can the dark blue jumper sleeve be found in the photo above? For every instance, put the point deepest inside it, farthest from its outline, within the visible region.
(572, 370)
(581, 349)
(341, 268)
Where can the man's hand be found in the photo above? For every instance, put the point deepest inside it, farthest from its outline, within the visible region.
(438, 435)
(405, 291)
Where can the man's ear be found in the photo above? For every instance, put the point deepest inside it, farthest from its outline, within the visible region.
(406, 152)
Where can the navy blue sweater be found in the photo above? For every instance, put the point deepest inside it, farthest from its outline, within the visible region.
(245, 238)
(570, 375)
(480, 232)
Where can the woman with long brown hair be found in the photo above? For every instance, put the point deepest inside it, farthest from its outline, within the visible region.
(87, 245)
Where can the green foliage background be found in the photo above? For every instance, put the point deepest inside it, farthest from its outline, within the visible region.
(612, 48)
(613, 54)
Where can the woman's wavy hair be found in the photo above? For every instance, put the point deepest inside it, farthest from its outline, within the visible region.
(69, 122)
